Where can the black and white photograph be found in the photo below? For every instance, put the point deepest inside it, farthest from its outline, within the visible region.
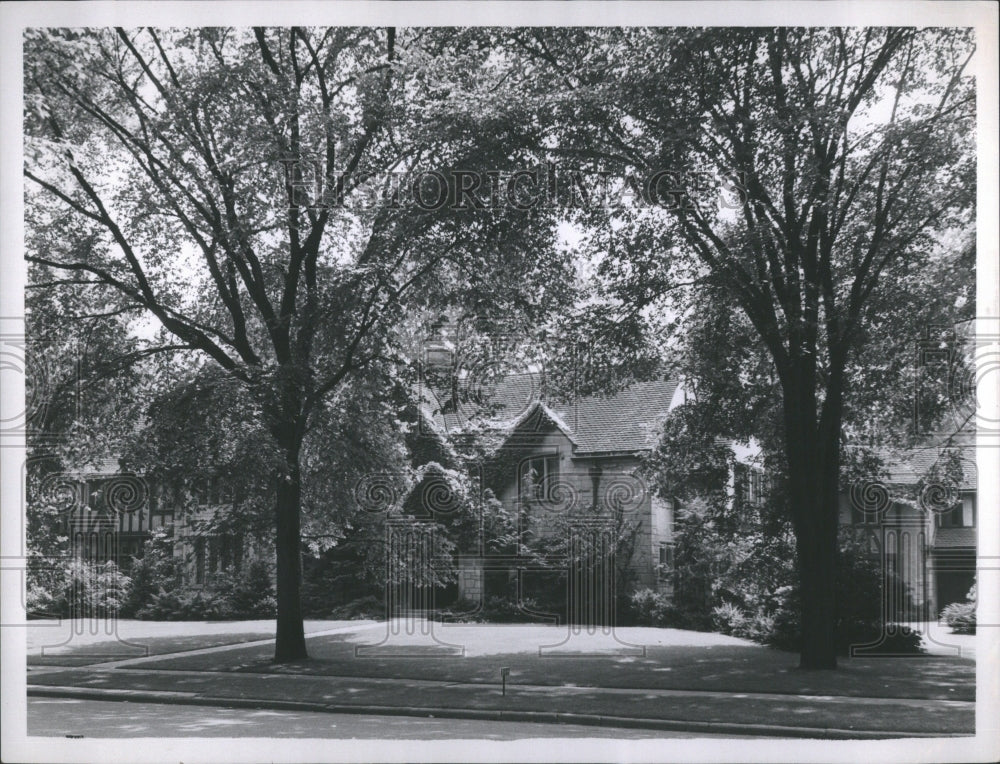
(500, 381)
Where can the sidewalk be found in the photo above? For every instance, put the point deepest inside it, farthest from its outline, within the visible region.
(740, 713)
(730, 688)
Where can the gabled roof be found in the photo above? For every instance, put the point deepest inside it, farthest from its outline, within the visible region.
(908, 467)
(626, 421)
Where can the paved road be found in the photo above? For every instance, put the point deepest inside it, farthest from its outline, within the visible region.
(58, 717)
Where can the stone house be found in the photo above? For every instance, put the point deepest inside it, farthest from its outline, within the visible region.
(567, 475)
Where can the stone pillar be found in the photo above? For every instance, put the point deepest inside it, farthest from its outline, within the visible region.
(470, 579)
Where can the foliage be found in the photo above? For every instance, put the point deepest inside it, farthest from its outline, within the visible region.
(741, 579)
(648, 607)
(961, 616)
(185, 604)
(729, 619)
(78, 589)
(157, 569)
(497, 608)
(362, 608)
(250, 224)
(788, 159)
(248, 593)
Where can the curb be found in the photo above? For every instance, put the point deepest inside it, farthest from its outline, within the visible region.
(540, 717)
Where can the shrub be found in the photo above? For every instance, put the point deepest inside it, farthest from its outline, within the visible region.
(185, 604)
(335, 579)
(363, 608)
(961, 616)
(248, 593)
(231, 596)
(729, 619)
(158, 569)
(647, 607)
(785, 632)
(79, 589)
(506, 610)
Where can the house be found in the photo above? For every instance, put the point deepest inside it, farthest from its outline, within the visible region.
(923, 531)
(109, 514)
(567, 473)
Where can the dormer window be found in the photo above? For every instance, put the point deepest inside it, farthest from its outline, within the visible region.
(962, 515)
(538, 476)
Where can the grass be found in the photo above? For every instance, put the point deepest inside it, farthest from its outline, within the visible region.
(673, 660)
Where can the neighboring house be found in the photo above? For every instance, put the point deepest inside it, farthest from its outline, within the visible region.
(923, 532)
(108, 514)
(113, 513)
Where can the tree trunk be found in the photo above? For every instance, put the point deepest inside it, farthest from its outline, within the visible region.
(290, 642)
(816, 545)
(813, 453)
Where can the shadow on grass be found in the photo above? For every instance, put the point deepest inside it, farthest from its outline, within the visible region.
(712, 668)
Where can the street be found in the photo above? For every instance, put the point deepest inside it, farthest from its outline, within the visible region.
(59, 717)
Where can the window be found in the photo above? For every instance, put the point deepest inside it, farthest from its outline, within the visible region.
(750, 484)
(962, 515)
(199, 561)
(537, 477)
(757, 486)
(666, 561)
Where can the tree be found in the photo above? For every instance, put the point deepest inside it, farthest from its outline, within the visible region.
(841, 156)
(229, 184)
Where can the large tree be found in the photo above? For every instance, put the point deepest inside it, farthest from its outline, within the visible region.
(228, 183)
(839, 155)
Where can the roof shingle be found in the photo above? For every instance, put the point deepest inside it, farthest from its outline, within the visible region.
(623, 422)
(953, 538)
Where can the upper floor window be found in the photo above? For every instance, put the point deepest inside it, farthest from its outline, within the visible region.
(751, 484)
(962, 515)
(538, 477)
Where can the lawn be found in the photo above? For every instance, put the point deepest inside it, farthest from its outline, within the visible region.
(637, 658)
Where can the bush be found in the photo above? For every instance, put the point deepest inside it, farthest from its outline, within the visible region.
(248, 593)
(727, 618)
(506, 610)
(647, 607)
(757, 598)
(158, 569)
(785, 632)
(79, 589)
(185, 604)
(961, 616)
(245, 594)
(364, 608)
